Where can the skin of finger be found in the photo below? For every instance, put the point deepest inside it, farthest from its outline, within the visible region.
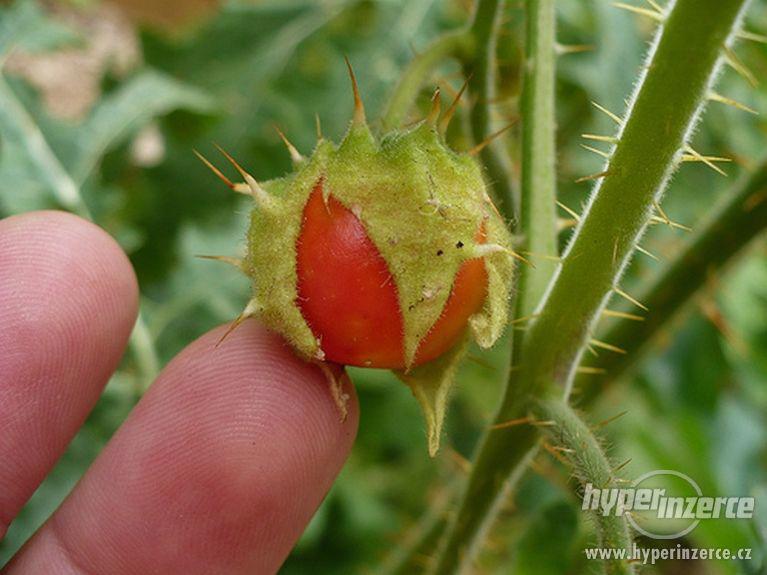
(217, 470)
(68, 301)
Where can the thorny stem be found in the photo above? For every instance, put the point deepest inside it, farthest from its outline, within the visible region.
(570, 437)
(538, 192)
(453, 45)
(668, 101)
(501, 460)
(738, 219)
(670, 97)
(480, 69)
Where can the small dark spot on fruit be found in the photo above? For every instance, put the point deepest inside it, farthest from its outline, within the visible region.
(459, 245)
(440, 252)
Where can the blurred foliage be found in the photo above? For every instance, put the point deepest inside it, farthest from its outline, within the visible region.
(226, 75)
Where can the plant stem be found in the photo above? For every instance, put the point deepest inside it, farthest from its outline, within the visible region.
(453, 45)
(504, 450)
(538, 192)
(663, 112)
(571, 437)
(480, 69)
(501, 460)
(738, 219)
(662, 116)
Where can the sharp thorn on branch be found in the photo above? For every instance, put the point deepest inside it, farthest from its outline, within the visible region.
(609, 420)
(649, 254)
(489, 139)
(258, 193)
(630, 299)
(445, 122)
(250, 310)
(567, 49)
(622, 315)
(752, 36)
(609, 347)
(600, 138)
(232, 261)
(593, 177)
(614, 117)
(716, 97)
(570, 211)
(657, 16)
(215, 170)
(605, 155)
(734, 62)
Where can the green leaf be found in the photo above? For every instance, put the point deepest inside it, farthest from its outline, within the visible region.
(118, 116)
(24, 25)
(41, 155)
(20, 130)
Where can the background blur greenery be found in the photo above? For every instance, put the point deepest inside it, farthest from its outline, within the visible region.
(101, 105)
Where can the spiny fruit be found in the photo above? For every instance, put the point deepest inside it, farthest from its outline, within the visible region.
(380, 253)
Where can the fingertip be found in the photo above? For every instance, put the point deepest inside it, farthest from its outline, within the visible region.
(68, 301)
(283, 388)
(218, 469)
(60, 245)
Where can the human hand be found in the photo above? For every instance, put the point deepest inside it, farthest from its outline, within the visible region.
(217, 469)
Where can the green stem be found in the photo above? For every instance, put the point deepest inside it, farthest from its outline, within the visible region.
(453, 45)
(480, 69)
(662, 115)
(538, 192)
(738, 219)
(508, 449)
(566, 432)
(501, 460)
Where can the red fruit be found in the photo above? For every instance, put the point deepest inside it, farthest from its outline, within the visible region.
(466, 298)
(349, 300)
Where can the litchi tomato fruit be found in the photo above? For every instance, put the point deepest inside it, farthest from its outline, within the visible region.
(349, 298)
(380, 252)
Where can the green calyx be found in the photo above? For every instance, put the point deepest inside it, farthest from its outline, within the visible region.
(423, 206)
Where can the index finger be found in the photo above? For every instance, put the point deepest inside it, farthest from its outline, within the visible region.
(218, 469)
(68, 300)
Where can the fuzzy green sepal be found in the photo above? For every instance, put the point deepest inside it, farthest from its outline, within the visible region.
(421, 204)
(431, 384)
(271, 256)
(488, 325)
